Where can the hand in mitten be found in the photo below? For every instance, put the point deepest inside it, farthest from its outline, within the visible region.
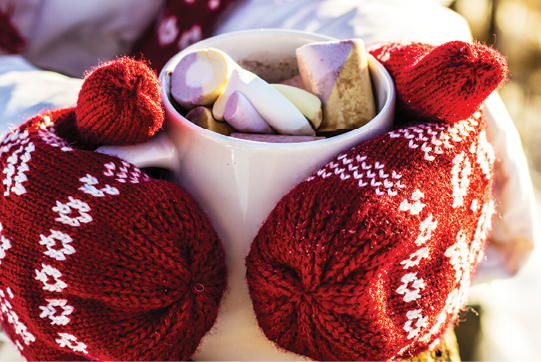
(99, 261)
(371, 257)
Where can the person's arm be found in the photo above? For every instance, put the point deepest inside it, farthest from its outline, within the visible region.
(63, 37)
(514, 233)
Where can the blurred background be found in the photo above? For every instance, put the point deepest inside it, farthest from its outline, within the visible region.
(514, 28)
(504, 323)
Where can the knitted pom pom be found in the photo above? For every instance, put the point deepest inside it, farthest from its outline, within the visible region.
(119, 104)
(446, 83)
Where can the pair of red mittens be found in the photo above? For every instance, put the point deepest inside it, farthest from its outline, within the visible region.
(370, 258)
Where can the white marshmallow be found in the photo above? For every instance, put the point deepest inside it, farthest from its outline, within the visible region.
(275, 108)
(242, 115)
(200, 76)
(274, 138)
(307, 103)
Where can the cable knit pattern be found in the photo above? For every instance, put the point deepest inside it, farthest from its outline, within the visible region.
(371, 257)
(97, 260)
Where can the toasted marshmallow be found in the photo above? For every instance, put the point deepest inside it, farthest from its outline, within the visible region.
(337, 72)
(202, 116)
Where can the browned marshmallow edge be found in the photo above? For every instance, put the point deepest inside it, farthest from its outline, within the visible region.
(202, 116)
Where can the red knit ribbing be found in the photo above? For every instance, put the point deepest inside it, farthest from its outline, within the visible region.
(98, 260)
(372, 256)
(119, 103)
(11, 40)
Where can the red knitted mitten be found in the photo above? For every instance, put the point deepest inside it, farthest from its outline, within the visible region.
(99, 261)
(371, 257)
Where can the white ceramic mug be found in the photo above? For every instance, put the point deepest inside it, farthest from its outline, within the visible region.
(237, 182)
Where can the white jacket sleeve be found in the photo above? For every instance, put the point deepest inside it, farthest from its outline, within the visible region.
(514, 230)
(26, 90)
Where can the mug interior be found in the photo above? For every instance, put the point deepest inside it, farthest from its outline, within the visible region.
(270, 53)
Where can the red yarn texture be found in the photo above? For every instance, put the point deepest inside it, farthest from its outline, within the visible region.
(11, 40)
(368, 259)
(119, 103)
(98, 261)
(372, 256)
(446, 85)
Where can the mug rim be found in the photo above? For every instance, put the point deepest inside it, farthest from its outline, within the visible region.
(165, 74)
